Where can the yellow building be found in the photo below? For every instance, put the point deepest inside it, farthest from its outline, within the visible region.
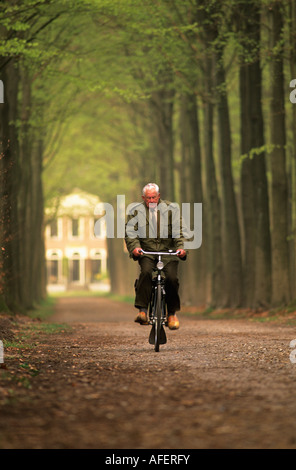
(75, 256)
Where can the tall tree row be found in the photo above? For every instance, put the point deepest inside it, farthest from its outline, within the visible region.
(22, 139)
(10, 176)
(23, 280)
(254, 191)
(281, 288)
(174, 92)
(246, 219)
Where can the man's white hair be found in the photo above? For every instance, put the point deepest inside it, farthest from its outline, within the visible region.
(150, 186)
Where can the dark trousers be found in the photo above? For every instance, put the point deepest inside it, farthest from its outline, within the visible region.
(144, 284)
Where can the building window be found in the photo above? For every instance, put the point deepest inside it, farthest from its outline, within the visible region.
(76, 270)
(96, 270)
(53, 268)
(53, 228)
(75, 265)
(75, 227)
(97, 265)
(53, 271)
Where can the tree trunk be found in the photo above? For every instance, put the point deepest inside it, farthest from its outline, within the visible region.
(254, 190)
(38, 285)
(24, 193)
(212, 205)
(30, 201)
(231, 237)
(193, 285)
(293, 153)
(121, 269)
(162, 116)
(9, 173)
(280, 251)
(21, 199)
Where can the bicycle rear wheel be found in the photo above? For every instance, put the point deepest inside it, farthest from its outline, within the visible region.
(158, 319)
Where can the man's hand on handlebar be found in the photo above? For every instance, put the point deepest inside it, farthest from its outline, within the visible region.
(181, 253)
(137, 252)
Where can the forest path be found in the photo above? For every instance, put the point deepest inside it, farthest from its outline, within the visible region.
(100, 385)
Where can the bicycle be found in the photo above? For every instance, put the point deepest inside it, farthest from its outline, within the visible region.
(157, 306)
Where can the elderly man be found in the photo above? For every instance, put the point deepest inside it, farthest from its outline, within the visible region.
(155, 225)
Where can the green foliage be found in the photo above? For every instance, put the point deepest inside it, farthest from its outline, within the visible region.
(118, 56)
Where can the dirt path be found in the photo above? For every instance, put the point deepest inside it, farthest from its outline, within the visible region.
(99, 384)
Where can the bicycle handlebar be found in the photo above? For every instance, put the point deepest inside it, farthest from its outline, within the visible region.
(160, 252)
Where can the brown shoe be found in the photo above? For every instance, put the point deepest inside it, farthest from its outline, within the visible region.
(142, 318)
(173, 322)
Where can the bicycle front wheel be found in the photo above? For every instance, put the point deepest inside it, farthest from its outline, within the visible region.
(158, 319)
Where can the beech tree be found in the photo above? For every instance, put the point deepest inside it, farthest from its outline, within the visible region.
(279, 185)
(254, 188)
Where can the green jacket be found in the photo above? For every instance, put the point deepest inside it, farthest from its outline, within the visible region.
(170, 230)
